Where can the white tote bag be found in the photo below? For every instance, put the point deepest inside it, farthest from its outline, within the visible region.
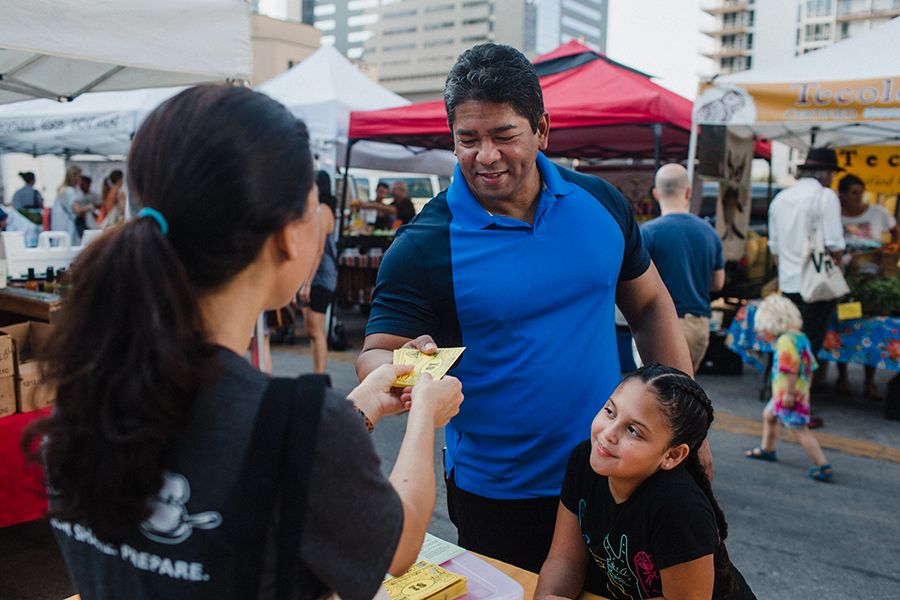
(820, 278)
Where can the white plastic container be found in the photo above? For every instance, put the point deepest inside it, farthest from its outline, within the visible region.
(54, 249)
(484, 581)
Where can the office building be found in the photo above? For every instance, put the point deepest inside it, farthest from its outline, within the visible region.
(413, 43)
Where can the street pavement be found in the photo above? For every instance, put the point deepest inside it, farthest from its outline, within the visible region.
(791, 537)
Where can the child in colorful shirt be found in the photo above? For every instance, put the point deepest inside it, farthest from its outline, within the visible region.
(792, 370)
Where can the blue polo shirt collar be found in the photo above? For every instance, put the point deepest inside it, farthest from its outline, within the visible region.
(470, 214)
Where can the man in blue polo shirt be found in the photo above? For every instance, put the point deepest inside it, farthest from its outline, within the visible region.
(688, 254)
(522, 262)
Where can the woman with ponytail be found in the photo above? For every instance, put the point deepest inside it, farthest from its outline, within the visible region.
(177, 470)
(637, 517)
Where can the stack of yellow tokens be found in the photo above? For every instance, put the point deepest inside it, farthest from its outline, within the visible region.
(425, 581)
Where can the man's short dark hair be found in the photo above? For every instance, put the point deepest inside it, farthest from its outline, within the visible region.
(495, 73)
(382, 184)
(849, 181)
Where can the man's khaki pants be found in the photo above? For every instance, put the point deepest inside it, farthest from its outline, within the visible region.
(696, 331)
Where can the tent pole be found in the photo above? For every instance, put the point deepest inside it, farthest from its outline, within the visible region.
(692, 149)
(340, 236)
(657, 140)
(344, 191)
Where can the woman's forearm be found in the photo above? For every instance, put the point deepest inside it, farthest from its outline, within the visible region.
(414, 479)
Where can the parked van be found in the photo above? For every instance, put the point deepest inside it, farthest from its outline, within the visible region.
(422, 186)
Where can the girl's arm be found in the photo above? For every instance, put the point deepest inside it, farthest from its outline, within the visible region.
(692, 580)
(563, 572)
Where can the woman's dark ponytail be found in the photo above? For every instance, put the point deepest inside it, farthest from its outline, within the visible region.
(225, 168)
(126, 360)
(690, 413)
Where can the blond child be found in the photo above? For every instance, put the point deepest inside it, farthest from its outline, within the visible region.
(779, 319)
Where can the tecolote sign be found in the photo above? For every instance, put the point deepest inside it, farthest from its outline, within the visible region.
(877, 166)
(863, 100)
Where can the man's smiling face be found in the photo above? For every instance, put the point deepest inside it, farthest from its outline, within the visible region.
(497, 150)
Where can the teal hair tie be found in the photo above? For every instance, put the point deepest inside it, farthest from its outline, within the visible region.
(156, 216)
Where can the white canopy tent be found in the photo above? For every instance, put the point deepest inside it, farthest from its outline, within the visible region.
(847, 94)
(101, 123)
(323, 89)
(59, 50)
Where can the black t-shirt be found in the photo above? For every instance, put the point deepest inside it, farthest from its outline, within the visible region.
(668, 520)
(405, 210)
(351, 522)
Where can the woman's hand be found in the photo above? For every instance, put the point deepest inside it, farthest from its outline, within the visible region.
(436, 400)
(375, 396)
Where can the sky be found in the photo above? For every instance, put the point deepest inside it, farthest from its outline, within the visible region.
(660, 37)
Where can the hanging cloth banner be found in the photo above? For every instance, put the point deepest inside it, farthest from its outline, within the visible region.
(733, 206)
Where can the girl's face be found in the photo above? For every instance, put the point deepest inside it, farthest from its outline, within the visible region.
(630, 436)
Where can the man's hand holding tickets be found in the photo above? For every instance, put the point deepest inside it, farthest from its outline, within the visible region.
(436, 364)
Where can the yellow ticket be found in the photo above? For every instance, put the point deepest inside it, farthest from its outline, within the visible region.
(436, 364)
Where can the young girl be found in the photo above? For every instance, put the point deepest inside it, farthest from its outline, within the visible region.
(637, 518)
(792, 369)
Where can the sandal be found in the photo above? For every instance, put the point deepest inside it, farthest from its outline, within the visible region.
(760, 454)
(823, 473)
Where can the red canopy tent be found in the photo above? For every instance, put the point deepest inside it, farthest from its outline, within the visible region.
(599, 108)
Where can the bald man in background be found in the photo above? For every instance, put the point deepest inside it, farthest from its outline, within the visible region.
(688, 255)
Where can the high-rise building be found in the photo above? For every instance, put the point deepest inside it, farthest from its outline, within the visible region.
(759, 33)
(751, 33)
(413, 43)
(824, 22)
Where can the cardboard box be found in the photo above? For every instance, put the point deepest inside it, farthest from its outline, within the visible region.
(7, 396)
(26, 338)
(7, 377)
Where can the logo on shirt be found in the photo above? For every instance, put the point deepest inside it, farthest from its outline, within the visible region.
(617, 568)
(170, 521)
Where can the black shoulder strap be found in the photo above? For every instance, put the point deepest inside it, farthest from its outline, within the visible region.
(305, 414)
(278, 462)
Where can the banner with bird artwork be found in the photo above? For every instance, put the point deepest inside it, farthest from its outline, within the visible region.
(733, 205)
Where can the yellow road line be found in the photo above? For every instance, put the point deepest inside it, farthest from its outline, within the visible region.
(735, 424)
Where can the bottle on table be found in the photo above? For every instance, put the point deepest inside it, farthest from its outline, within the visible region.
(30, 281)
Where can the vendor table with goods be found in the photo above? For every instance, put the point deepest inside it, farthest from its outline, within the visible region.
(17, 304)
(873, 341)
(358, 263)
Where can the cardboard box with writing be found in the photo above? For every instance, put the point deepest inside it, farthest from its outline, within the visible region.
(7, 377)
(26, 338)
